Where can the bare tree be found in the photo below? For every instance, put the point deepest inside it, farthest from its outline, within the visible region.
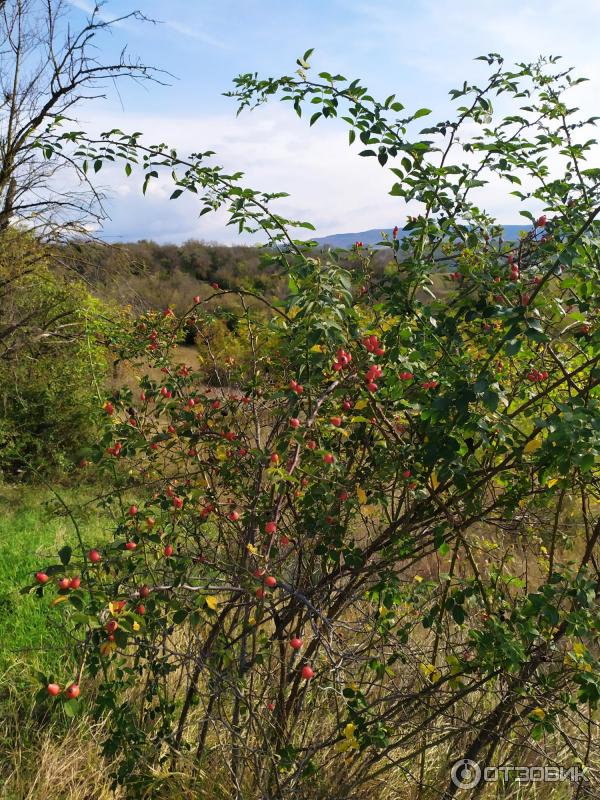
(46, 69)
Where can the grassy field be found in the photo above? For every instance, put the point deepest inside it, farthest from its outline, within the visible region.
(42, 755)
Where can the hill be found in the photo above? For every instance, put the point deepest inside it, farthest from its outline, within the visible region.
(373, 236)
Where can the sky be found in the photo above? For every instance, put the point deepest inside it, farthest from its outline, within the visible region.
(417, 49)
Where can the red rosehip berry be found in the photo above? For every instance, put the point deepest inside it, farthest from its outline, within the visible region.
(307, 672)
(111, 626)
(295, 643)
(41, 577)
(94, 556)
(75, 582)
(53, 689)
(72, 691)
(271, 581)
(270, 527)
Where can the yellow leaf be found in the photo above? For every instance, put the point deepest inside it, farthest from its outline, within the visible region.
(342, 746)
(533, 444)
(418, 579)
(360, 404)
(579, 649)
(538, 713)
(136, 626)
(430, 672)
(362, 495)
(106, 648)
(60, 599)
(551, 482)
(221, 453)
(349, 730)
(251, 549)
(434, 481)
(212, 602)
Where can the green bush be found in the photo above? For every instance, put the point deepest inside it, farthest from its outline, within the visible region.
(51, 362)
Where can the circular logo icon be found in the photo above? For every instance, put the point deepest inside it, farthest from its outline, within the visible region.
(466, 773)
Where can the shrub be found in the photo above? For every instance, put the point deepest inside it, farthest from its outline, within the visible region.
(364, 565)
(51, 362)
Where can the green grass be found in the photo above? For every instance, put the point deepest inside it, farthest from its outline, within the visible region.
(42, 753)
(30, 536)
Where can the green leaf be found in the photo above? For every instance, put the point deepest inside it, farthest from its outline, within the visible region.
(512, 348)
(72, 708)
(179, 615)
(422, 112)
(65, 554)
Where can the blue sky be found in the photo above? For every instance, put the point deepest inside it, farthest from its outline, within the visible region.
(418, 50)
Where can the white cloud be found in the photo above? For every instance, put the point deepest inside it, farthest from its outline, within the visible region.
(195, 33)
(426, 51)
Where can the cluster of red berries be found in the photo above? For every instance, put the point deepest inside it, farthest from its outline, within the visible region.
(455, 276)
(115, 450)
(342, 359)
(535, 376)
(296, 387)
(374, 372)
(63, 583)
(153, 341)
(373, 346)
(270, 581)
(71, 691)
(430, 384)
(358, 245)
(406, 376)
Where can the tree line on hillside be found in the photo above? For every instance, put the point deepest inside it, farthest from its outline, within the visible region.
(146, 274)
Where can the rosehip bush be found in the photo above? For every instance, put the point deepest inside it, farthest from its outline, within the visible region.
(407, 574)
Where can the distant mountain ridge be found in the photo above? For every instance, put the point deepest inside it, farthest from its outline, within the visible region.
(373, 236)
